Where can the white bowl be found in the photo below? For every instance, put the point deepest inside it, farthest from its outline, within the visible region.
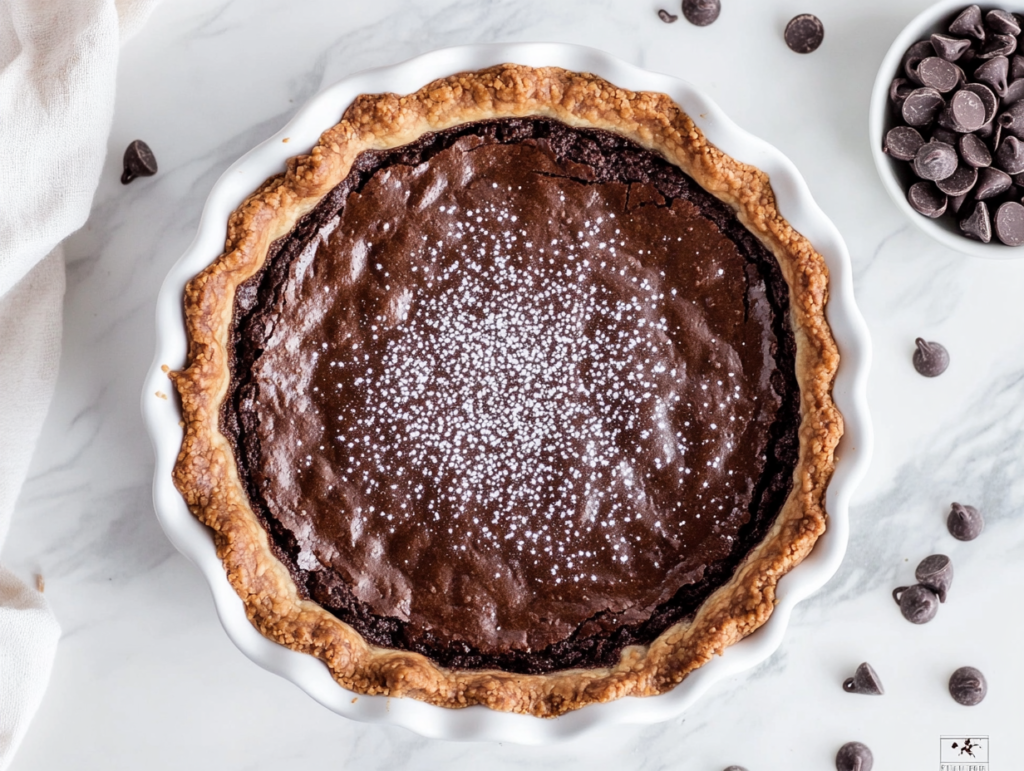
(945, 230)
(479, 723)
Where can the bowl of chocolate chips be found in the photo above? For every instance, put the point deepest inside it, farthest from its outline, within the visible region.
(947, 126)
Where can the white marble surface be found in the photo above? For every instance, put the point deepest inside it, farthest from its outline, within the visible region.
(146, 678)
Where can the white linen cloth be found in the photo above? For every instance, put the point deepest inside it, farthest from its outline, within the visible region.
(58, 65)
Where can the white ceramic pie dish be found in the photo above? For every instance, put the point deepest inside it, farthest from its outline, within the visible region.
(194, 540)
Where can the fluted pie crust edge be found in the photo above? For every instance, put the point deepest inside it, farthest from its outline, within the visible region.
(206, 475)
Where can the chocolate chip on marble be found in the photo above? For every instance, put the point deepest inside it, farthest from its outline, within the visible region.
(964, 523)
(804, 33)
(1009, 223)
(903, 142)
(667, 17)
(974, 152)
(956, 202)
(968, 686)
(1014, 93)
(949, 48)
(967, 108)
(939, 74)
(969, 23)
(922, 106)
(1002, 22)
(979, 224)
(701, 12)
(139, 161)
(988, 97)
(918, 604)
(935, 161)
(927, 199)
(854, 756)
(900, 89)
(936, 573)
(1010, 155)
(998, 45)
(930, 358)
(995, 73)
(865, 680)
(959, 182)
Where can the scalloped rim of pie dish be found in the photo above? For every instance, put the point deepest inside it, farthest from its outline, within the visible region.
(207, 477)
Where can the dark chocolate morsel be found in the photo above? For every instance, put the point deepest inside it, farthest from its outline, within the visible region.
(969, 23)
(974, 152)
(979, 224)
(959, 182)
(914, 55)
(941, 134)
(854, 756)
(988, 97)
(936, 573)
(667, 17)
(998, 45)
(930, 359)
(1009, 223)
(939, 74)
(956, 202)
(968, 686)
(1002, 22)
(987, 131)
(1016, 67)
(918, 604)
(995, 73)
(922, 106)
(900, 89)
(927, 199)
(1011, 120)
(804, 33)
(991, 182)
(701, 12)
(935, 161)
(949, 48)
(965, 523)
(865, 680)
(967, 108)
(139, 161)
(903, 142)
(1014, 93)
(1010, 155)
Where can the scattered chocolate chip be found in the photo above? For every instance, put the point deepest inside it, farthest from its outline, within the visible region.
(998, 45)
(939, 74)
(701, 12)
(935, 161)
(903, 142)
(969, 23)
(959, 182)
(1010, 155)
(1002, 22)
(974, 152)
(1009, 223)
(927, 199)
(918, 604)
(922, 106)
(139, 161)
(995, 73)
(804, 33)
(930, 359)
(965, 523)
(967, 686)
(936, 573)
(667, 17)
(967, 108)
(854, 756)
(899, 90)
(865, 680)
(979, 224)
(949, 48)
(988, 97)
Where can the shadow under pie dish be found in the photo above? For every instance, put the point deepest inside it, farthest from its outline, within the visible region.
(515, 392)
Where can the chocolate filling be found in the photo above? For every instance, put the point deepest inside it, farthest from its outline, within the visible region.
(515, 395)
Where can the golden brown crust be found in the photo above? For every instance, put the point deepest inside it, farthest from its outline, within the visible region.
(206, 475)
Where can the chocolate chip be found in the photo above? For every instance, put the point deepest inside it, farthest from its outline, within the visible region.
(967, 108)
(995, 73)
(998, 45)
(965, 523)
(1002, 22)
(979, 224)
(988, 97)
(865, 680)
(991, 182)
(959, 182)
(974, 152)
(1014, 93)
(701, 12)
(1010, 155)
(927, 199)
(969, 23)
(667, 17)
(935, 161)
(1016, 67)
(1011, 120)
(804, 33)
(930, 359)
(900, 89)
(956, 202)
(922, 106)
(949, 48)
(1009, 223)
(968, 686)
(854, 756)
(939, 74)
(918, 604)
(936, 573)
(139, 161)
(917, 53)
(903, 142)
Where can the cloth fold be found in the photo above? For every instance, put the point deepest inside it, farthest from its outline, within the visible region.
(58, 67)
